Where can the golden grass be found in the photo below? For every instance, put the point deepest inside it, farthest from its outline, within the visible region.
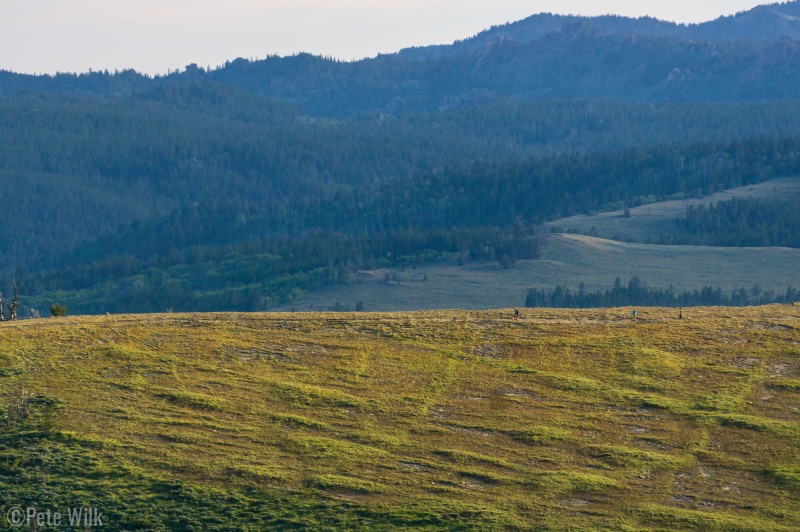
(561, 419)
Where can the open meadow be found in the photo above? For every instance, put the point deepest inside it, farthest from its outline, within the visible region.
(567, 259)
(653, 221)
(469, 420)
(590, 249)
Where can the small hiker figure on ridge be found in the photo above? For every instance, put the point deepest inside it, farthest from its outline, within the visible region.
(634, 313)
(516, 313)
(680, 313)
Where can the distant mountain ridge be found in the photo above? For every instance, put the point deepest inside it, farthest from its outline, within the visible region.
(751, 56)
(763, 23)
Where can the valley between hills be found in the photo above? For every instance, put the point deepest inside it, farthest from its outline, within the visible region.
(592, 249)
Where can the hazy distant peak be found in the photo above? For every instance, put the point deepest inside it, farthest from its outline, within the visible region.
(770, 22)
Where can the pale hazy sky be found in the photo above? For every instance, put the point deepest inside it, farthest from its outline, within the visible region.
(46, 36)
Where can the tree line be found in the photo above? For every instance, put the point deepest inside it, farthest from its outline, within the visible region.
(636, 293)
(742, 222)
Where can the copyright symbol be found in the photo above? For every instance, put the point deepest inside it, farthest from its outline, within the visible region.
(15, 516)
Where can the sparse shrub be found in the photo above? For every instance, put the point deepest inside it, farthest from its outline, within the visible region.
(25, 408)
(58, 310)
(20, 406)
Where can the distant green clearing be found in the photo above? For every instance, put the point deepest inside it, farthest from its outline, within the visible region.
(648, 223)
(574, 258)
(568, 259)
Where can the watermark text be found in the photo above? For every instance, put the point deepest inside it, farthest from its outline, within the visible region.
(80, 516)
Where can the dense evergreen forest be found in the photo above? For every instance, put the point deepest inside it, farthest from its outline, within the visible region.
(204, 197)
(81, 168)
(743, 222)
(242, 255)
(240, 187)
(636, 293)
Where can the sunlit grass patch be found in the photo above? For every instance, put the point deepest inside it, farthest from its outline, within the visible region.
(788, 477)
(298, 393)
(628, 457)
(320, 448)
(653, 362)
(759, 424)
(560, 482)
(339, 483)
(125, 353)
(298, 421)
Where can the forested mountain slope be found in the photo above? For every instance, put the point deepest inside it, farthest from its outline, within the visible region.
(79, 168)
(240, 254)
(244, 186)
(751, 56)
(769, 22)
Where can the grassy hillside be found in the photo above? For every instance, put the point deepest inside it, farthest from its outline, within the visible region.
(566, 259)
(440, 420)
(651, 222)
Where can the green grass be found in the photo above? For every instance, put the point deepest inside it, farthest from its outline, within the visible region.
(785, 384)
(430, 420)
(567, 259)
(648, 223)
(788, 477)
(194, 400)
